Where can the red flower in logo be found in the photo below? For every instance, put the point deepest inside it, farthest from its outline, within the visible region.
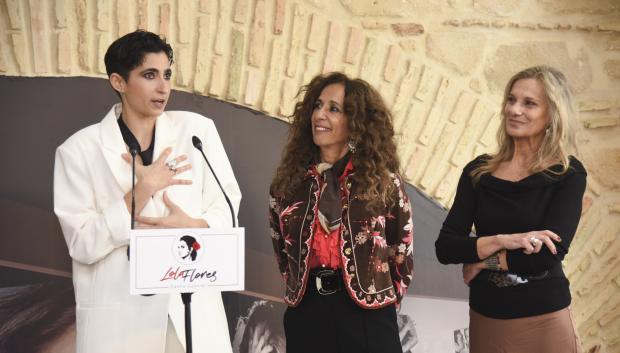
(196, 246)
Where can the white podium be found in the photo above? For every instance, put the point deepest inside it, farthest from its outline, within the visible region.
(181, 260)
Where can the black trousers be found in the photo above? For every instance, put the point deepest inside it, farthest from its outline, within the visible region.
(335, 324)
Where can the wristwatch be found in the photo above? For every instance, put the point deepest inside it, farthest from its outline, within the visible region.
(492, 262)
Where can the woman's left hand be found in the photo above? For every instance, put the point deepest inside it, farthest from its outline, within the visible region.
(470, 271)
(176, 219)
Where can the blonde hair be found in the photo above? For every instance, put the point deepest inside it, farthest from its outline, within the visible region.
(558, 136)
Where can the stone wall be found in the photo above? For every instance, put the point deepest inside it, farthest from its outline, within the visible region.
(440, 64)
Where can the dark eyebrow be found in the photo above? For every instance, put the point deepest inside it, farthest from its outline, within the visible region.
(335, 103)
(152, 69)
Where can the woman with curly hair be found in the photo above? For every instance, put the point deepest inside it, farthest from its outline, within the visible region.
(341, 221)
(525, 203)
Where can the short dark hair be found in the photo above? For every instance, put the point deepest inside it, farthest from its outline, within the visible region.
(127, 52)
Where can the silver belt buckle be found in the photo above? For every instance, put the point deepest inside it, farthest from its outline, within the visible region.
(319, 282)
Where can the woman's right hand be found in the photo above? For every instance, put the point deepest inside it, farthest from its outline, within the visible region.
(158, 175)
(530, 242)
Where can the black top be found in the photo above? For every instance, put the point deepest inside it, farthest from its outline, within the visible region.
(535, 284)
(128, 137)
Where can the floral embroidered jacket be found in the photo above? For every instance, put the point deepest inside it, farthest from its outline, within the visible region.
(376, 249)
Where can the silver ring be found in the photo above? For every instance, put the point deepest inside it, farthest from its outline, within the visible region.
(534, 241)
(171, 164)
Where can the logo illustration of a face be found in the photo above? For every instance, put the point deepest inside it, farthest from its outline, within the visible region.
(186, 249)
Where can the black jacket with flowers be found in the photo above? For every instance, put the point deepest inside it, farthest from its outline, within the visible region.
(376, 249)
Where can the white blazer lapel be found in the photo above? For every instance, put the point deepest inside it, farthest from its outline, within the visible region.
(112, 146)
(165, 136)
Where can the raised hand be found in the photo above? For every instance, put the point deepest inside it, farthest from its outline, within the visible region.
(531, 242)
(176, 219)
(160, 174)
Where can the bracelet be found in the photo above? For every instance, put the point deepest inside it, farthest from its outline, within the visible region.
(492, 262)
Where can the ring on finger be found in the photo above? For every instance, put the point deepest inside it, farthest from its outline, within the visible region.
(534, 241)
(171, 164)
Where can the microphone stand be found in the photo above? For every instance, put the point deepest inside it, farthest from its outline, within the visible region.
(198, 145)
(187, 302)
(187, 297)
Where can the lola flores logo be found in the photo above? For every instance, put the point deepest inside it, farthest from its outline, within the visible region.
(187, 250)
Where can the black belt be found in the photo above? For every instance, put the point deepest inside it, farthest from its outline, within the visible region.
(326, 281)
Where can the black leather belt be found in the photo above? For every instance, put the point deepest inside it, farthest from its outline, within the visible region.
(326, 281)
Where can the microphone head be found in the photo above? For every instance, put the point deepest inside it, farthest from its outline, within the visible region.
(134, 148)
(197, 143)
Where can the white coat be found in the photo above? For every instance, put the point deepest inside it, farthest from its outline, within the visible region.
(90, 180)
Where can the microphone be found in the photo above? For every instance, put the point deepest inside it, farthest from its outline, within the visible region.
(134, 148)
(198, 145)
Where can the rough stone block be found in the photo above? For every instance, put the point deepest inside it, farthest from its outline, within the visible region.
(427, 84)
(278, 21)
(407, 29)
(203, 53)
(205, 6)
(103, 42)
(594, 105)
(464, 150)
(390, 8)
(253, 87)
(316, 37)
(103, 15)
(414, 167)
(488, 136)
(374, 24)
(60, 12)
(613, 43)
(355, 45)
(235, 66)
(124, 18)
(287, 103)
(392, 63)
(164, 19)
(241, 11)
(371, 59)
(602, 121)
(64, 52)
(15, 13)
(40, 49)
(452, 22)
(447, 184)
(218, 76)
(609, 26)
(403, 95)
(312, 67)
(498, 8)
(475, 22)
(435, 118)
(409, 45)
(272, 84)
(19, 51)
(612, 67)
(463, 107)
(3, 66)
(511, 58)
(183, 65)
(298, 33)
(143, 14)
(185, 21)
(257, 35)
(332, 52)
(222, 27)
(460, 51)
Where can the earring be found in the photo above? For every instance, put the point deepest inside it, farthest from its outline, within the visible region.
(547, 130)
(352, 147)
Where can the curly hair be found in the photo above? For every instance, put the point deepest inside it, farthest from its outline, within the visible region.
(558, 136)
(370, 129)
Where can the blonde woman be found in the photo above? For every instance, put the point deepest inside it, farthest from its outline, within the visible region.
(525, 204)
